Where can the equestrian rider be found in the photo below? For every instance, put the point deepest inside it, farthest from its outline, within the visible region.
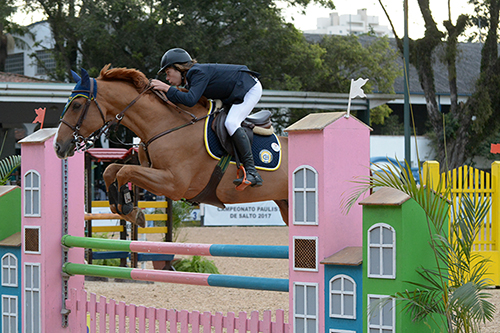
(235, 85)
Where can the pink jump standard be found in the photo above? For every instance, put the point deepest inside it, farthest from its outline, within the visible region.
(326, 152)
(43, 205)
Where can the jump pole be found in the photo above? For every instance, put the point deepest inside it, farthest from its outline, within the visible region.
(199, 279)
(216, 250)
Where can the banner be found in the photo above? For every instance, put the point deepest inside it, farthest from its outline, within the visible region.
(264, 213)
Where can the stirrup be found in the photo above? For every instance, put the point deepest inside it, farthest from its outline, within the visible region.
(245, 182)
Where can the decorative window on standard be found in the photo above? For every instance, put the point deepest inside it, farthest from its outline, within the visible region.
(305, 312)
(342, 297)
(9, 270)
(382, 251)
(305, 195)
(32, 194)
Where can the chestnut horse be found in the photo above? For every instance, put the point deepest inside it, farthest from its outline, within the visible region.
(177, 164)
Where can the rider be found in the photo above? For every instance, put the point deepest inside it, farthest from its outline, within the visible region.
(235, 85)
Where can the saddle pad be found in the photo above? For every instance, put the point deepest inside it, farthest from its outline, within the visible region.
(266, 149)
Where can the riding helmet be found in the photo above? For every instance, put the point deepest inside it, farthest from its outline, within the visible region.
(173, 56)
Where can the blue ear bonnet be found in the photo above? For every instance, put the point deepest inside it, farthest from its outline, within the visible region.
(82, 88)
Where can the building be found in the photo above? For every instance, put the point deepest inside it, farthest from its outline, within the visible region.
(350, 24)
(38, 42)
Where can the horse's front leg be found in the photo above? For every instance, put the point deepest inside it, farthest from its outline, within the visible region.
(109, 176)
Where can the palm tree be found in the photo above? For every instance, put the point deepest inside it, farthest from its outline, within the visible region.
(454, 291)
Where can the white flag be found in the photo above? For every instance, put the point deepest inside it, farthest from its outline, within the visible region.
(356, 90)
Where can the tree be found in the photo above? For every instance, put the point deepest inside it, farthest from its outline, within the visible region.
(470, 124)
(7, 27)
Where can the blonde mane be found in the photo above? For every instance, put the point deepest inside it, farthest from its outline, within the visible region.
(137, 78)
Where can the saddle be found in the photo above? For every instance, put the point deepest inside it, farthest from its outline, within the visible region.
(258, 123)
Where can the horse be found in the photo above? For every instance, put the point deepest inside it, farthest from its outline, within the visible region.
(174, 162)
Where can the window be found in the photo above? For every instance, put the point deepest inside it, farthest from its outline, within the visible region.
(305, 253)
(15, 63)
(32, 297)
(46, 62)
(305, 195)
(342, 297)
(9, 270)
(32, 193)
(382, 319)
(9, 314)
(32, 239)
(305, 312)
(382, 251)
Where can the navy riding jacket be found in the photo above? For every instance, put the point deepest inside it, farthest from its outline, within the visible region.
(229, 83)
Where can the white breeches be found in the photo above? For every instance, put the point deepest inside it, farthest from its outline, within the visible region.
(239, 112)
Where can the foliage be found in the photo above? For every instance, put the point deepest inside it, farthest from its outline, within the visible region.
(455, 289)
(8, 165)
(479, 116)
(7, 28)
(197, 264)
(181, 211)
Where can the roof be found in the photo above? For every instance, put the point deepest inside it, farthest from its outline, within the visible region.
(6, 189)
(11, 77)
(110, 154)
(39, 136)
(386, 197)
(13, 240)
(318, 121)
(348, 256)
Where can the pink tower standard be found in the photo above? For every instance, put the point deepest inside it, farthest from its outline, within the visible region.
(45, 208)
(326, 152)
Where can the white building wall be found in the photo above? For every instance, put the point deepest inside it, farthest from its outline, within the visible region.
(346, 24)
(41, 39)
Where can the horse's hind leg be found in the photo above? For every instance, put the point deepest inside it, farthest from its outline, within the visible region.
(283, 206)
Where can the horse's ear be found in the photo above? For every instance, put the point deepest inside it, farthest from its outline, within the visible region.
(85, 75)
(76, 77)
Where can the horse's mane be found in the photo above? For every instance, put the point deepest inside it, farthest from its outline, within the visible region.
(137, 78)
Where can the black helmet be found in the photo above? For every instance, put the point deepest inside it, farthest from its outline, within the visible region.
(173, 56)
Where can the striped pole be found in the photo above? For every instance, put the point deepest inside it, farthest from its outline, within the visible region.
(200, 279)
(216, 250)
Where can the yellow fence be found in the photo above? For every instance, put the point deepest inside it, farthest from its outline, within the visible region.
(483, 186)
(119, 228)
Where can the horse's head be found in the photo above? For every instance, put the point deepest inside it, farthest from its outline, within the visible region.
(81, 118)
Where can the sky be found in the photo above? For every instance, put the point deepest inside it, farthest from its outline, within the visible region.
(439, 9)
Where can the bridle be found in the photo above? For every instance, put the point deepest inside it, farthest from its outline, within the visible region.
(83, 143)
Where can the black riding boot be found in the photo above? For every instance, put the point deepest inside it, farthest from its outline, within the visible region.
(242, 144)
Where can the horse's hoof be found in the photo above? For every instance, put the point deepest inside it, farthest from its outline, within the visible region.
(136, 216)
(113, 209)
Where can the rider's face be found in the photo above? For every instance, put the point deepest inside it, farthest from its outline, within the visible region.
(174, 76)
